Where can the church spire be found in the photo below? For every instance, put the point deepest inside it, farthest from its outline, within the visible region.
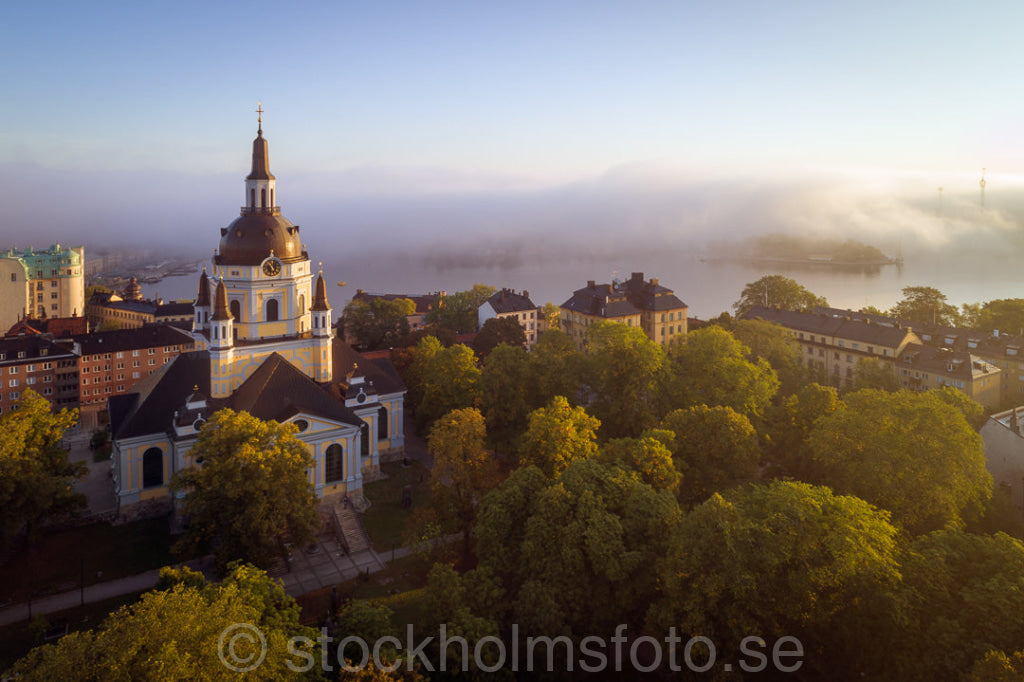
(220, 307)
(260, 183)
(320, 296)
(260, 153)
(203, 299)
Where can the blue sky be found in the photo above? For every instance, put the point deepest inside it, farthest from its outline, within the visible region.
(542, 89)
(148, 102)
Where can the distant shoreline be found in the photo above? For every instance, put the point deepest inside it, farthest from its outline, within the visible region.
(756, 260)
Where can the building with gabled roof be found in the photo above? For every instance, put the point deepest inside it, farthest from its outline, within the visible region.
(265, 344)
(506, 303)
(636, 303)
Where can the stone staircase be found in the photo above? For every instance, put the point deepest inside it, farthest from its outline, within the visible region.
(353, 535)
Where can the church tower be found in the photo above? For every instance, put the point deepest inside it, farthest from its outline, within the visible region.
(267, 281)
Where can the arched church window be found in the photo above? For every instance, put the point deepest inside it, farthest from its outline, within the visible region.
(271, 197)
(272, 312)
(236, 310)
(152, 468)
(252, 198)
(382, 422)
(263, 198)
(334, 463)
(302, 304)
(364, 432)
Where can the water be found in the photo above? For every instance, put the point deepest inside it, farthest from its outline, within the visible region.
(708, 288)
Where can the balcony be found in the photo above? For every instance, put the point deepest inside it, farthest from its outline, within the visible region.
(265, 210)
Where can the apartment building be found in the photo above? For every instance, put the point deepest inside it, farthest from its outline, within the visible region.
(509, 304)
(41, 283)
(636, 303)
(48, 367)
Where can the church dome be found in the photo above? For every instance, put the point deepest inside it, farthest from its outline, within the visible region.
(251, 238)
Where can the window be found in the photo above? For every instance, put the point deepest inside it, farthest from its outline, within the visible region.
(364, 446)
(272, 312)
(135, 353)
(13, 383)
(30, 368)
(334, 463)
(14, 395)
(152, 351)
(152, 468)
(382, 423)
(236, 310)
(135, 375)
(30, 381)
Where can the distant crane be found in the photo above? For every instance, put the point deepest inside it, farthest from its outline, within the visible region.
(982, 184)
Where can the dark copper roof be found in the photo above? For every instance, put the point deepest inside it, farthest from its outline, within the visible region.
(260, 159)
(203, 298)
(251, 238)
(220, 309)
(320, 297)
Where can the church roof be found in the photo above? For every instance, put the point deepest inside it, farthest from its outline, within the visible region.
(203, 299)
(220, 307)
(320, 298)
(278, 390)
(151, 405)
(260, 159)
(253, 237)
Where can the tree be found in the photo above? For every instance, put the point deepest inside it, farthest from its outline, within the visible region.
(1002, 315)
(774, 344)
(552, 315)
(176, 633)
(556, 368)
(710, 367)
(504, 395)
(378, 322)
(108, 326)
(252, 491)
(586, 549)
(557, 435)
(910, 453)
(925, 304)
(458, 311)
(961, 595)
(463, 469)
(445, 379)
(646, 457)
(36, 477)
(714, 448)
(785, 559)
(498, 330)
(622, 368)
(871, 373)
(790, 423)
(776, 290)
(996, 666)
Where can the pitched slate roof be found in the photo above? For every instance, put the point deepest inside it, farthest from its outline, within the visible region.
(508, 301)
(650, 295)
(839, 325)
(150, 407)
(149, 336)
(939, 360)
(600, 300)
(278, 390)
(378, 371)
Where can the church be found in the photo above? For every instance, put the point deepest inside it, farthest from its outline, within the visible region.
(265, 344)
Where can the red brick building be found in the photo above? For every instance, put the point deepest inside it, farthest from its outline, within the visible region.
(113, 362)
(39, 363)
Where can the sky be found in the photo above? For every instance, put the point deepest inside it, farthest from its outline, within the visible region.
(131, 121)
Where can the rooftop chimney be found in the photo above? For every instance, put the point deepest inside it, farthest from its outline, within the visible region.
(526, 294)
(590, 283)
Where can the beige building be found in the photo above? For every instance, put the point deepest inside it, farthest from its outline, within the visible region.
(635, 303)
(41, 284)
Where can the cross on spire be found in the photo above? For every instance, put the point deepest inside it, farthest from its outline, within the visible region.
(259, 112)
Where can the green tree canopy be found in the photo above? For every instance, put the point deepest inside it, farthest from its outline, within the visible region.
(458, 311)
(910, 453)
(872, 373)
(497, 330)
(622, 368)
(36, 478)
(790, 423)
(711, 368)
(252, 491)
(774, 344)
(961, 595)
(714, 448)
(555, 368)
(557, 435)
(175, 634)
(463, 469)
(378, 322)
(786, 559)
(1002, 315)
(647, 458)
(445, 379)
(776, 290)
(588, 545)
(925, 304)
(505, 400)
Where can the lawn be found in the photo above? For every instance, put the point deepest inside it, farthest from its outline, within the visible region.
(57, 561)
(17, 639)
(387, 521)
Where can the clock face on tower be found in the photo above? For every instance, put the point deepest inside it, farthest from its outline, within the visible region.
(272, 267)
